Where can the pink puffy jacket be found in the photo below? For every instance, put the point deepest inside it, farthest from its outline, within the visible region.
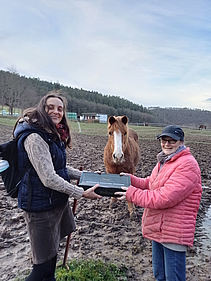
(171, 197)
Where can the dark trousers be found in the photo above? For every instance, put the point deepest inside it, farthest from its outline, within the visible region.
(43, 272)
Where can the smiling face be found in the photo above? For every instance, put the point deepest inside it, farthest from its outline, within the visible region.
(55, 109)
(169, 145)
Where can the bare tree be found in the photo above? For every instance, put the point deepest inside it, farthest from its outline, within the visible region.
(14, 88)
(3, 89)
(28, 98)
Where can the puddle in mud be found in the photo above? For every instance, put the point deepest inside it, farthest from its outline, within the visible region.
(202, 247)
(206, 230)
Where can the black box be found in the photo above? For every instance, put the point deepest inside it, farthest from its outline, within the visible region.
(109, 183)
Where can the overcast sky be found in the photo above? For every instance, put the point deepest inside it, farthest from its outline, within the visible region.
(154, 53)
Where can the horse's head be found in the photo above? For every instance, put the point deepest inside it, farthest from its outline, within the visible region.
(118, 137)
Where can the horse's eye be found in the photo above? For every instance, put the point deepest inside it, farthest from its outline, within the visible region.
(110, 133)
(125, 133)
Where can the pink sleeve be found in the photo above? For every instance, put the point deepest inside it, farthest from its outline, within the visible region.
(142, 183)
(136, 189)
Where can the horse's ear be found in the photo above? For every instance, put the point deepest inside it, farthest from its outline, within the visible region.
(125, 119)
(111, 120)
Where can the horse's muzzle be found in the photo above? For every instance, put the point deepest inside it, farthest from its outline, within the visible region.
(118, 158)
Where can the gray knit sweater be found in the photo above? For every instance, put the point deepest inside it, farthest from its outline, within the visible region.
(40, 158)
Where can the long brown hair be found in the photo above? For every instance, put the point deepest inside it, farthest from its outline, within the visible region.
(39, 118)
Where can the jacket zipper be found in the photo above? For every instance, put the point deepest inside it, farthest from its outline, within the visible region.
(51, 196)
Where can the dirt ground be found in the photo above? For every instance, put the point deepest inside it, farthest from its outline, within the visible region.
(104, 233)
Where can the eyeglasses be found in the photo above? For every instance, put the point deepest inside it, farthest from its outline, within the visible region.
(164, 141)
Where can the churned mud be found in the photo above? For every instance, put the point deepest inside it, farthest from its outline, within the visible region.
(104, 233)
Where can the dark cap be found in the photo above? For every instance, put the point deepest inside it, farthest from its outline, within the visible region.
(173, 132)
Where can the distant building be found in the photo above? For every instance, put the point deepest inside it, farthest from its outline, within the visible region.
(94, 117)
(103, 118)
(71, 116)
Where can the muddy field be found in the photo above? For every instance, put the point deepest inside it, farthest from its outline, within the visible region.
(104, 233)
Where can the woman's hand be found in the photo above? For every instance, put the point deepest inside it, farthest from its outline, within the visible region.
(97, 172)
(90, 193)
(122, 194)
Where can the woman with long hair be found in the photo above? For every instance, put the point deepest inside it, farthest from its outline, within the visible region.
(45, 186)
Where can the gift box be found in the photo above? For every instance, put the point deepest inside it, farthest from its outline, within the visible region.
(108, 183)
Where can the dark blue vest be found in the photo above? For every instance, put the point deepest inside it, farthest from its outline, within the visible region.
(33, 196)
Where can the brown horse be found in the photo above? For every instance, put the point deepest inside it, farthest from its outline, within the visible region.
(201, 127)
(122, 152)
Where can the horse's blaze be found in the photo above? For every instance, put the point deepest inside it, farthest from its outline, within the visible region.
(118, 155)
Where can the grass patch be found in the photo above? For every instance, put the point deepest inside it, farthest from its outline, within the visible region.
(8, 121)
(86, 270)
(86, 128)
(144, 132)
(90, 270)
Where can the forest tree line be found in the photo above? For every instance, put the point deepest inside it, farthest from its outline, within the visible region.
(21, 92)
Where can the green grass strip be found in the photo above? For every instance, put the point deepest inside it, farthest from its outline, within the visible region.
(90, 270)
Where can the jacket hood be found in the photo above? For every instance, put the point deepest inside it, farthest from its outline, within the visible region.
(22, 127)
(25, 127)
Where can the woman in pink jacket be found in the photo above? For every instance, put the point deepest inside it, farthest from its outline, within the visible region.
(171, 196)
